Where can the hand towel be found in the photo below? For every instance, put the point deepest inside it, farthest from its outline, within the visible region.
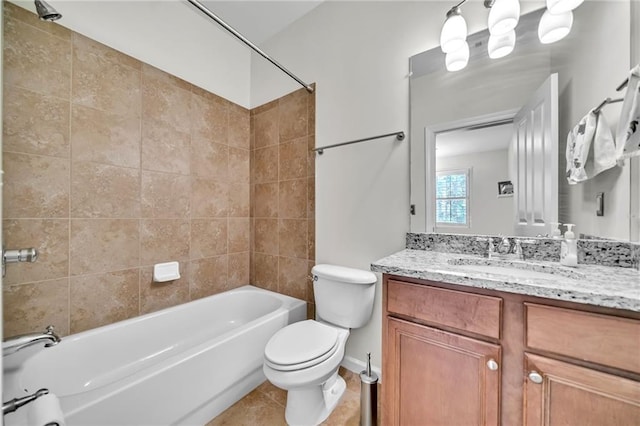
(628, 132)
(590, 148)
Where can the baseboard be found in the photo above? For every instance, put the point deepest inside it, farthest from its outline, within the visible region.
(356, 366)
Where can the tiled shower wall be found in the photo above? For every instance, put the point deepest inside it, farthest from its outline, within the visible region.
(283, 195)
(111, 166)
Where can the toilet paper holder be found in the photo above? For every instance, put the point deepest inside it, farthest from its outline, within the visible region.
(15, 403)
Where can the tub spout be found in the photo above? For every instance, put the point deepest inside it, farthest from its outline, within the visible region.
(15, 403)
(14, 344)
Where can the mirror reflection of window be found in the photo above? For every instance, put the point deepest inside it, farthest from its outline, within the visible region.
(452, 197)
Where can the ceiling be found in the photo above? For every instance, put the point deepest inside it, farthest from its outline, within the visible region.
(465, 141)
(259, 20)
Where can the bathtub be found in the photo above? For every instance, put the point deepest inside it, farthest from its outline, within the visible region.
(182, 365)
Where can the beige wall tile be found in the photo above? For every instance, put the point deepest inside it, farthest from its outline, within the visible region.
(102, 245)
(164, 240)
(166, 102)
(103, 299)
(157, 74)
(239, 269)
(293, 115)
(208, 237)
(209, 198)
(266, 236)
(266, 271)
(129, 195)
(208, 159)
(155, 296)
(265, 164)
(208, 276)
(102, 84)
(266, 128)
(293, 199)
(35, 60)
(210, 118)
(165, 149)
(239, 235)
(311, 198)
(311, 244)
(292, 159)
(88, 45)
(239, 200)
(29, 308)
(239, 127)
(311, 156)
(266, 200)
(35, 123)
(100, 190)
(239, 165)
(105, 138)
(35, 186)
(292, 235)
(165, 195)
(292, 277)
(12, 11)
(50, 237)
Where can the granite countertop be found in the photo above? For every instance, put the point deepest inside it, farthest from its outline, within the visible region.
(606, 286)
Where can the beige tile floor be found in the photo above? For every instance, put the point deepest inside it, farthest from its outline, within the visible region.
(264, 406)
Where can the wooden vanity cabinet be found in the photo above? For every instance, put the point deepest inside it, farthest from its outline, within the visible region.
(454, 355)
(437, 377)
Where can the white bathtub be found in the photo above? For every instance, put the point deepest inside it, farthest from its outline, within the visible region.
(183, 365)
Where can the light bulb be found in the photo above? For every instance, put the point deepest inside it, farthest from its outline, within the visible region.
(554, 27)
(504, 16)
(454, 31)
(458, 59)
(501, 45)
(557, 7)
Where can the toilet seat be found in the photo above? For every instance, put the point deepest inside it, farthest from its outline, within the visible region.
(301, 345)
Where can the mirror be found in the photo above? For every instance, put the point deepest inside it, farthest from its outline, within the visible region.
(590, 62)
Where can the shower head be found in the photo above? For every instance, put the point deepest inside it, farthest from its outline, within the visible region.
(46, 12)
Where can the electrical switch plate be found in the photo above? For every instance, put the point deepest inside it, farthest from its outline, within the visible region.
(600, 204)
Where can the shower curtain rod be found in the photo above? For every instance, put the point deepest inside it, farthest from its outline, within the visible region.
(399, 135)
(243, 39)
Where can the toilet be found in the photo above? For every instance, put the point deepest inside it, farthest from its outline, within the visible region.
(303, 358)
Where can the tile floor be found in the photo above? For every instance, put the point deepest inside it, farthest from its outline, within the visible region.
(265, 406)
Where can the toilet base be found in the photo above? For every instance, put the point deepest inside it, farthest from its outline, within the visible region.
(310, 406)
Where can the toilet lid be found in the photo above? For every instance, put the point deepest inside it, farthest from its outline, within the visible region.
(300, 343)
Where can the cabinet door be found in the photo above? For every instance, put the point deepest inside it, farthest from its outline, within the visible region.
(559, 393)
(435, 378)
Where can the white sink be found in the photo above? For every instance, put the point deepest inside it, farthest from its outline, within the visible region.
(517, 269)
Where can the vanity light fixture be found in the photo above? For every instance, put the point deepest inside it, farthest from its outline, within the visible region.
(458, 59)
(501, 45)
(503, 16)
(554, 27)
(560, 6)
(454, 30)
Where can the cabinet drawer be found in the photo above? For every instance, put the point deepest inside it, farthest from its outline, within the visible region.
(603, 339)
(465, 311)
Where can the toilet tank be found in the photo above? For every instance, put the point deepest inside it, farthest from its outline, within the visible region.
(344, 296)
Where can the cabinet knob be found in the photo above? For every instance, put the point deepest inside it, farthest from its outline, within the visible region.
(492, 364)
(535, 377)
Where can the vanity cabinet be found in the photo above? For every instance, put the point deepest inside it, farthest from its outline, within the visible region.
(454, 355)
(438, 377)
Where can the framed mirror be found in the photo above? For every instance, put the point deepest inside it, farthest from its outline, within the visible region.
(470, 104)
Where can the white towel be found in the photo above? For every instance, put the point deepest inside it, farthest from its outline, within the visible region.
(628, 133)
(590, 148)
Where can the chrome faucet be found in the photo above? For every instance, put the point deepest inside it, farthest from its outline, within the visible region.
(14, 344)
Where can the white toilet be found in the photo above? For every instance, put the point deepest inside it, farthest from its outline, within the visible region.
(303, 358)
